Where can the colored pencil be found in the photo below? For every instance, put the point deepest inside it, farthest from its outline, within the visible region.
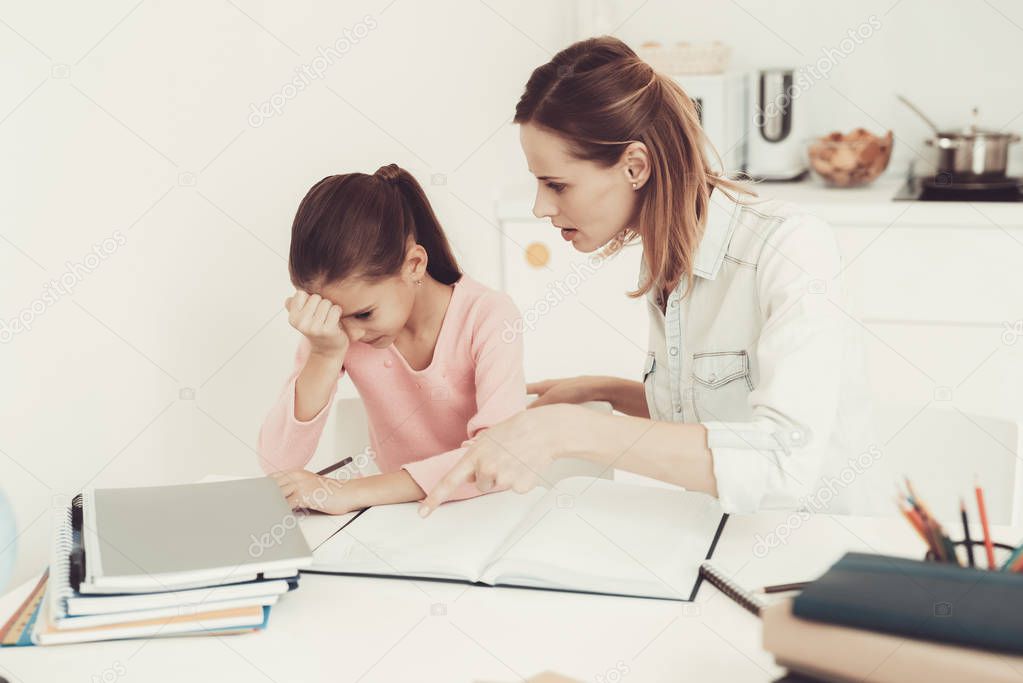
(930, 525)
(946, 549)
(966, 532)
(914, 520)
(982, 510)
(1011, 564)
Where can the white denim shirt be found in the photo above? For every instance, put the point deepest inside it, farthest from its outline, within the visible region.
(764, 354)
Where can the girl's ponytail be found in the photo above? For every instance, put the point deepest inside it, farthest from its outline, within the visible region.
(441, 265)
(358, 225)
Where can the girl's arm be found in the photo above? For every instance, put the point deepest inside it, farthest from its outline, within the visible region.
(384, 489)
(316, 385)
(292, 429)
(304, 489)
(288, 437)
(500, 389)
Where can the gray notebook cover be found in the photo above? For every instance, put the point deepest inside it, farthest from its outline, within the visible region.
(189, 533)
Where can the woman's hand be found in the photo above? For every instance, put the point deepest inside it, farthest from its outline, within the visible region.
(513, 454)
(625, 396)
(565, 390)
(305, 489)
(319, 320)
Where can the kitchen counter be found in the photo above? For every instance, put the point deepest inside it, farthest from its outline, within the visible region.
(871, 206)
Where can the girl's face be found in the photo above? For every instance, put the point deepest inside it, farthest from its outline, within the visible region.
(375, 311)
(590, 203)
(372, 312)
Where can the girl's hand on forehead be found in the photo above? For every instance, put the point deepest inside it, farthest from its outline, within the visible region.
(319, 320)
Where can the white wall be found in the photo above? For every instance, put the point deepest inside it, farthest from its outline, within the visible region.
(131, 122)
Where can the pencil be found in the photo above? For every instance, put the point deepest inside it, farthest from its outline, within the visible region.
(966, 532)
(918, 500)
(1010, 564)
(336, 466)
(914, 519)
(936, 535)
(930, 526)
(918, 516)
(950, 549)
(1017, 565)
(988, 547)
(786, 587)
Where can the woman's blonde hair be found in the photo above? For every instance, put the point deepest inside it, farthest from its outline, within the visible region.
(600, 97)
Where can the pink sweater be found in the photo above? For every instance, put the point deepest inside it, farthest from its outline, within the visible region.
(418, 420)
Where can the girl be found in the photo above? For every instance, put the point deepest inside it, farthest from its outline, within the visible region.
(381, 298)
(754, 389)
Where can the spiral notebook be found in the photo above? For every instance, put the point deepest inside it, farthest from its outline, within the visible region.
(742, 597)
(161, 538)
(164, 560)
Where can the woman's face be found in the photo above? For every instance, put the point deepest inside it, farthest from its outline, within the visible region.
(590, 203)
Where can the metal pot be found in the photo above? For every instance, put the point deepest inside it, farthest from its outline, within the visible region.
(974, 153)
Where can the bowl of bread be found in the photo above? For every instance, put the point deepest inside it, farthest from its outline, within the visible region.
(849, 159)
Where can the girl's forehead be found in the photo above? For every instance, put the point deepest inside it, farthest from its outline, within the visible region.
(352, 293)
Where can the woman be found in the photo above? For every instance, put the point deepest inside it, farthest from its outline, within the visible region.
(753, 390)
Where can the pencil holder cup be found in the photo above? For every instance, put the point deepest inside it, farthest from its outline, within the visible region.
(1002, 552)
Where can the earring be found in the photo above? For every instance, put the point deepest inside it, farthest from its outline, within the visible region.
(634, 186)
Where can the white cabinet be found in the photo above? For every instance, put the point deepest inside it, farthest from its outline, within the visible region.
(577, 317)
(939, 306)
(967, 274)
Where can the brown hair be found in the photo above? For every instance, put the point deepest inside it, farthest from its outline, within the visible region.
(359, 225)
(600, 97)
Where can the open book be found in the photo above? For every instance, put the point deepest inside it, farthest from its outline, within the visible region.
(585, 534)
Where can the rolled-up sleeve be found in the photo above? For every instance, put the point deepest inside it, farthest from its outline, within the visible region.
(775, 459)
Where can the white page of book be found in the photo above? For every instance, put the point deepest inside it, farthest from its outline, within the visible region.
(454, 542)
(598, 535)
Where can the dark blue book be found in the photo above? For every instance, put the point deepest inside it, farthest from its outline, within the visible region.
(926, 600)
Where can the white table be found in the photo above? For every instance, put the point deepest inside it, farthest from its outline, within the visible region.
(336, 628)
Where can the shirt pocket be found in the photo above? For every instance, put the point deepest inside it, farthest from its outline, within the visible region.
(721, 386)
(649, 367)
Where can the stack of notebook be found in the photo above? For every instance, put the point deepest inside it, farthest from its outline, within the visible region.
(195, 559)
(878, 618)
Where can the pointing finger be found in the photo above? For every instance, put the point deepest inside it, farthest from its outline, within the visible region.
(459, 474)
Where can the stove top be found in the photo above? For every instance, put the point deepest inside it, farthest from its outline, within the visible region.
(943, 188)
